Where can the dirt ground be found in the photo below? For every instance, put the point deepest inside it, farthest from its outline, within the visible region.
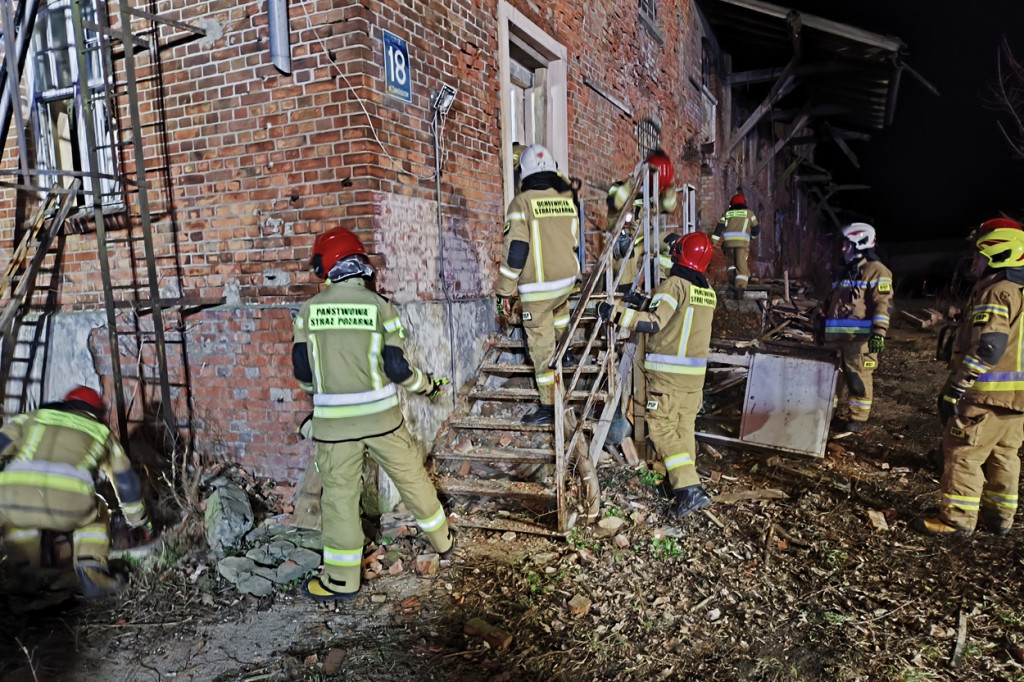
(827, 583)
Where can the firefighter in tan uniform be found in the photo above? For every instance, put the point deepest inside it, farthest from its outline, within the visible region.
(856, 318)
(538, 264)
(982, 408)
(678, 321)
(349, 354)
(737, 227)
(54, 457)
(629, 243)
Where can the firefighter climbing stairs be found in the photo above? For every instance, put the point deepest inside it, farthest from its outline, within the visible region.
(501, 474)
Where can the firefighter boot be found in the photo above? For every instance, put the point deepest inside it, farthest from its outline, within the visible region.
(97, 581)
(855, 426)
(450, 552)
(543, 415)
(316, 590)
(936, 526)
(687, 500)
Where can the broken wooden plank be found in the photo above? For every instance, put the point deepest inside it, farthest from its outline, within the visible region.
(756, 494)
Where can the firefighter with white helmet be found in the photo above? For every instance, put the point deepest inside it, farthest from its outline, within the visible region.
(539, 265)
(856, 317)
(678, 321)
(54, 456)
(982, 406)
(349, 354)
(737, 226)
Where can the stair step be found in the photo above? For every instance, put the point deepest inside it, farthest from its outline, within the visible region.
(493, 488)
(523, 394)
(514, 368)
(520, 344)
(496, 424)
(507, 455)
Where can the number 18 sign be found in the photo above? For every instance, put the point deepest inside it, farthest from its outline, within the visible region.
(397, 76)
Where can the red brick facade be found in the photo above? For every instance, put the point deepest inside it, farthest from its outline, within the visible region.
(258, 162)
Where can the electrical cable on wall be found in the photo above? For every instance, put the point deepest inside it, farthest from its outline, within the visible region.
(440, 156)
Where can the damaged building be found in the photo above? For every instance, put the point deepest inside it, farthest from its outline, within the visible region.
(167, 167)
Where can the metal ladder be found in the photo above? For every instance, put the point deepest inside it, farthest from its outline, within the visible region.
(142, 288)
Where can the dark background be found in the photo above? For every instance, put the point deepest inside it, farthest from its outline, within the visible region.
(943, 166)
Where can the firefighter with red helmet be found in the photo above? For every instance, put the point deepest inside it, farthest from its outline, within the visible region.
(539, 265)
(349, 354)
(736, 228)
(982, 405)
(678, 322)
(629, 243)
(53, 458)
(856, 318)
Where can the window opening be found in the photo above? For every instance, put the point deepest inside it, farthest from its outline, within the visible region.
(62, 143)
(648, 137)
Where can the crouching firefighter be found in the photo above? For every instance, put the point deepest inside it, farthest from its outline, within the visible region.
(539, 264)
(349, 354)
(982, 407)
(54, 458)
(856, 318)
(678, 320)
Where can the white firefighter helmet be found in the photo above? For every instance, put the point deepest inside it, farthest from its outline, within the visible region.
(861, 235)
(536, 159)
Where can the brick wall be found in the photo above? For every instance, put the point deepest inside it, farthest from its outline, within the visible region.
(249, 164)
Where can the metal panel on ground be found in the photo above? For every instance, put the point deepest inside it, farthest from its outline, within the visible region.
(788, 403)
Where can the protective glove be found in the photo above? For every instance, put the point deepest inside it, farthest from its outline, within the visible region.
(504, 306)
(948, 403)
(876, 342)
(634, 299)
(438, 386)
(604, 310)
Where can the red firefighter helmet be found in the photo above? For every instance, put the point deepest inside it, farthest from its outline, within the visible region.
(659, 161)
(997, 224)
(331, 246)
(85, 395)
(738, 200)
(693, 250)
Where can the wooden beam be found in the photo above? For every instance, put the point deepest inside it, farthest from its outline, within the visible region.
(842, 145)
(797, 126)
(853, 33)
(780, 89)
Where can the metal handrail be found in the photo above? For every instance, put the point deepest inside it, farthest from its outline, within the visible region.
(647, 272)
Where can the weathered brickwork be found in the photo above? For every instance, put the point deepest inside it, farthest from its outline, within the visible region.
(250, 164)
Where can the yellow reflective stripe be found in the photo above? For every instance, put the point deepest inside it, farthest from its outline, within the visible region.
(32, 439)
(561, 322)
(434, 522)
(318, 376)
(22, 536)
(49, 481)
(91, 537)
(991, 386)
(509, 272)
(77, 422)
(680, 460)
(394, 325)
(343, 557)
(538, 256)
(544, 378)
(627, 317)
(665, 298)
(299, 323)
(684, 335)
(373, 358)
(421, 381)
(343, 411)
(515, 215)
(545, 295)
(997, 500)
(675, 369)
(131, 508)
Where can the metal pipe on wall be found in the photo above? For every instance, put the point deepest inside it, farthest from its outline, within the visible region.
(280, 37)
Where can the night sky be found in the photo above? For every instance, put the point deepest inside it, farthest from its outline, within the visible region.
(943, 166)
